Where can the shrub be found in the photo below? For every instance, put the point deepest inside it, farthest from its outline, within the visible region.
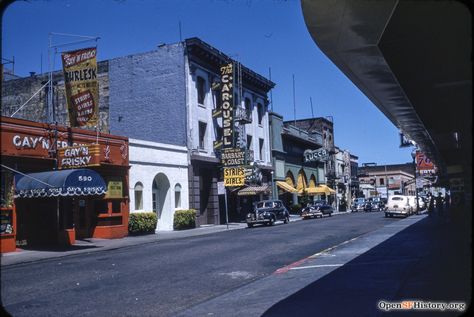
(295, 209)
(184, 219)
(142, 222)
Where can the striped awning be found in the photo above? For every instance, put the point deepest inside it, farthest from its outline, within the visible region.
(285, 186)
(320, 189)
(254, 190)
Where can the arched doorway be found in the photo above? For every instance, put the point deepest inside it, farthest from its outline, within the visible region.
(161, 202)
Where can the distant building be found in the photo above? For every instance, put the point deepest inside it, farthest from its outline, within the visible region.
(383, 180)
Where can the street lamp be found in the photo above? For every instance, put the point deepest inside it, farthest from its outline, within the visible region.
(413, 155)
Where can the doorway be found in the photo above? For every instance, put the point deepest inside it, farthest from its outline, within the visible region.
(82, 214)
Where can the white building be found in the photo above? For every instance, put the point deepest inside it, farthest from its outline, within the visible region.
(158, 180)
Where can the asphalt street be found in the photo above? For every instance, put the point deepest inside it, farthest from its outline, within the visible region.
(169, 277)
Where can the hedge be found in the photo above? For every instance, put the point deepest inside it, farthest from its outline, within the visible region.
(295, 209)
(184, 219)
(142, 222)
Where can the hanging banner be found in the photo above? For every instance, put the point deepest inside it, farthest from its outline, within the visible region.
(82, 87)
(227, 97)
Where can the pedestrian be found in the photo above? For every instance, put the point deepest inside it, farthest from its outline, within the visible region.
(431, 203)
(439, 203)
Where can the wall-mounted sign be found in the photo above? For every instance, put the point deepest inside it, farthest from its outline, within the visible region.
(234, 176)
(232, 157)
(227, 97)
(82, 87)
(316, 155)
(114, 189)
(404, 141)
(424, 165)
(79, 156)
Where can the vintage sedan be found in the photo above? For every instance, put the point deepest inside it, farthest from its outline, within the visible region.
(358, 205)
(317, 209)
(266, 212)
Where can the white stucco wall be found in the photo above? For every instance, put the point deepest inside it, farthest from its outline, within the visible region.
(147, 161)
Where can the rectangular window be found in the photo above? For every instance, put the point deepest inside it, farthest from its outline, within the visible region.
(260, 113)
(260, 147)
(382, 181)
(249, 142)
(116, 204)
(101, 206)
(200, 86)
(202, 134)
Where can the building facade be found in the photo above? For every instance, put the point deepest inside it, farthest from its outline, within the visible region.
(296, 178)
(386, 180)
(60, 184)
(164, 101)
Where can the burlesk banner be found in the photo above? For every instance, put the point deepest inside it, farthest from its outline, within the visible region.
(82, 87)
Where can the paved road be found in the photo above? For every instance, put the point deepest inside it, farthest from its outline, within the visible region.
(167, 277)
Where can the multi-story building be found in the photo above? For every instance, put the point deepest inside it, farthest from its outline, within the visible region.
(295, 177)
(163, 101)
(386, 180)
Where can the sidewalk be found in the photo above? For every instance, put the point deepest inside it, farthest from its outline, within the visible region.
(96, 245)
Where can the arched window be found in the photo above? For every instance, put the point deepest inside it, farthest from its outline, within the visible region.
(138, 196)
(177, 196)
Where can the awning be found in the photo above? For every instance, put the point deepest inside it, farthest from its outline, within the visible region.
(254, 190)
(72, 182)
(285, 186)
(320, 189)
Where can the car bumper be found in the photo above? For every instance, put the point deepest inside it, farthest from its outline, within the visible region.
(258, 220)
(311, 214)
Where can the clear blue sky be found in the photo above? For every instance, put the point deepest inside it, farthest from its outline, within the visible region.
(261, 34)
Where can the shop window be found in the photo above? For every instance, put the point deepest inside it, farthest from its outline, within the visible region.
(200, 86)
(116, 204)
(101, 206)
(177, 196)
(7, 189)
(138, 196)
(202, 134)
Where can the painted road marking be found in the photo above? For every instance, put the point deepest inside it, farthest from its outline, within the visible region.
(315, 266)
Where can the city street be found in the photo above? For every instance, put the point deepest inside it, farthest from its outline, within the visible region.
(168, 277)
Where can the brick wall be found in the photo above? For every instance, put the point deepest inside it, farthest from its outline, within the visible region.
(147, 96)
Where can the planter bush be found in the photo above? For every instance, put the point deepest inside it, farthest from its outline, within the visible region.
(142, 222)
(295, 209)
(184, 219)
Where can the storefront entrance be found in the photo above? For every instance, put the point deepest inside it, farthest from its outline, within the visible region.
(82, 215)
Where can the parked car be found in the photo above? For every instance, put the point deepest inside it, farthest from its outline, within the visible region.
(358, 204)
(378, 204)
(421, 202)
(267, 212)
(316, 209)
(399, 205)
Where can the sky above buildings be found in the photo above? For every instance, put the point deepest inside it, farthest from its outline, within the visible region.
(268, 36)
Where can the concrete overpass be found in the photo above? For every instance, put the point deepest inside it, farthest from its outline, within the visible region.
(413, 60)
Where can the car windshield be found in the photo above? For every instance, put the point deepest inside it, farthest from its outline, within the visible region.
(360, 201)
(265, 204)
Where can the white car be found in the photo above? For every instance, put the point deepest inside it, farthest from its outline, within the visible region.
(399, 205)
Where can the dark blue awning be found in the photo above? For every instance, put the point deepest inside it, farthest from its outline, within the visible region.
(73, 182)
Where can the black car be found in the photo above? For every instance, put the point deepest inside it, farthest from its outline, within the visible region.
(316, 209)
(267, 212)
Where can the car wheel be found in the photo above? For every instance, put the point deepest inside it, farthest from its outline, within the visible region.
(250, 225)
(287, 219)
(272, 221)
(330, 214)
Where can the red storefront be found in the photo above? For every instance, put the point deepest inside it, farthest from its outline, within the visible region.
(61, 184)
